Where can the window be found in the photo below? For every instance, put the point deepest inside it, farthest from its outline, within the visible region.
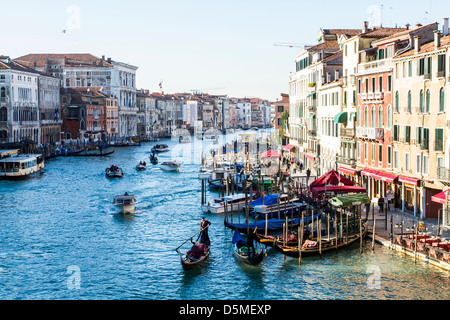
(389, 114)
(428, 101)
(367, 85)
(373, 84)
(439, 140)
(396, 132)
(366, 152)
(407, 164)
(389, 156)
(421, 101)
(396, 159)
(418, 163)
(440, 162)
(409, 101)
(358, 117)
(373, 153)
(442, 100)
(397, 101)
(380, 116)
(389, 83)
(380, 153)
(380, 84)
(425, 164)
(373, 117)
(407, 134)
(425, 139)
(366, 117)
(441, 65)
(410, 69)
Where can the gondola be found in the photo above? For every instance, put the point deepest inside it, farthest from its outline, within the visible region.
(196, 257)
(240, 250)
(314, 248)
(153, 158)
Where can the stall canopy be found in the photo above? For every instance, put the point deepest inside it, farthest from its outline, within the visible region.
(350, 200)
(331, 178)
(440, 198)
(338, 189)
(270, 154)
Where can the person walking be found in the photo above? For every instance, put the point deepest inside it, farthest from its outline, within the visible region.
(308, 174)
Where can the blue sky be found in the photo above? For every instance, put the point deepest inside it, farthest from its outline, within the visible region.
(219, 47)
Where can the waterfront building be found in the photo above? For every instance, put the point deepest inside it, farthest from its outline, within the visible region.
(86, 70)
(19, 102)
(50, 119)
(353, 55)
(280, 106)
(420, 120)
(146, 113)
(375, 112)
(245, 117)
(312, 70)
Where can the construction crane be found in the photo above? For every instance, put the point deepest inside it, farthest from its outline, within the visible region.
(160, 85)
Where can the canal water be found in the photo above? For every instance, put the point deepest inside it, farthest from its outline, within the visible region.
(60, 238)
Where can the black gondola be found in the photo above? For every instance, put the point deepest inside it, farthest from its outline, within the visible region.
(88, 154)
(242, 252)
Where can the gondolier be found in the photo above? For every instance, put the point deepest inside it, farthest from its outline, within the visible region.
(250, 245)
(204, 225)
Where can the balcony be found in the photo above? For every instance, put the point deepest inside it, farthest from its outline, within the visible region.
(372, 96)
(443, 174)
(348, 133)
(346, 160)
(365, 133)
(368, 66)
(379, 134)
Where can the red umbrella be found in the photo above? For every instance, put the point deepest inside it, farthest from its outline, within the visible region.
(331, 178)
(270, 154)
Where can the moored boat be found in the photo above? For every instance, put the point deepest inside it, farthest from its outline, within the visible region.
(170, 166)
(125, 203)
(233, 203)
(243, 253)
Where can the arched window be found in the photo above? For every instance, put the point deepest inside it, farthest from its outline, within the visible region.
(442, 100)
(389, 116)
(421, 101)
(373, 116)
(397, 101)
(366, 117)
(358, 117)
(409, 101)
(3, 114)
(3, 93)
(380, 117)
(428, 101)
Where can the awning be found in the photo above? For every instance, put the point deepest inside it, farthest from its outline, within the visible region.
(310, 157)
(348, 170)
(341, 117)
(289, 147)
(350, 201)
(368, 172)
(386, 177)
(338, 189)
(409, 180)
(440, 198)
(311, 94)
(270, 154)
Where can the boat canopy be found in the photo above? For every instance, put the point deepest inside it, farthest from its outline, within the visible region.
(238, 238)
(269, 200)
(350, 200)
(272, 224)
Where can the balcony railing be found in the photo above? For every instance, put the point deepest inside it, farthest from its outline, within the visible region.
(443, 174)
(365, 133)
(347, 133)
(346, 160)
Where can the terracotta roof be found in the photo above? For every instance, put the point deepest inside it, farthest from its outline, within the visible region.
(326, 45)
(382, 32)
(70, 59)
(338, 32)
(13, 65)
(426, 47)
(405, 32)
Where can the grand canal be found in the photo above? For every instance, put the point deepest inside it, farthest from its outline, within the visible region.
(60, 238)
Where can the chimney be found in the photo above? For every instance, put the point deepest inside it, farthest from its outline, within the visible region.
(328, 77)
(416, 44)
(365, 27)
(336, 75)
(407, 26)
(445, 27)
(418, 25)
(103, 57)
(437, 39)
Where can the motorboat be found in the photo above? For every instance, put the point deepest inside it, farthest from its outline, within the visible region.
(125, 203)
(153, 158)
(16, 166)
(159, 148)
(141, 166)
(170, 166)
(184, 140)
(231, 203)
(114, 172)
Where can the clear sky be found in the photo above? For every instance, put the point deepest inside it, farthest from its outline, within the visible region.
(219, 47)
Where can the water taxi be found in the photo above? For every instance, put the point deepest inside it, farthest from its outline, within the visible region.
(159, 148)
(170, 166)
(125, 203)
(16, 166)
(233, 203)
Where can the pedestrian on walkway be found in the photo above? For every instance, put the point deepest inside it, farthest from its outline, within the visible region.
(308, 174)
(381, 205)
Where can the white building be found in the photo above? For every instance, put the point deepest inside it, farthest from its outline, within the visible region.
(19, 102)
(245, 114)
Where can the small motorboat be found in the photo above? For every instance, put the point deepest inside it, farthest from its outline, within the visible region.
(170, 166)
(159, 148)
(125, 203)
(184, 140)
(114, 172)
(141, 166)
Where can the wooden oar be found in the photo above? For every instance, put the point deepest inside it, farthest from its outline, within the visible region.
(191, 238)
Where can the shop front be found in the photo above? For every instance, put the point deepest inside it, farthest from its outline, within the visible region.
(408, 195)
